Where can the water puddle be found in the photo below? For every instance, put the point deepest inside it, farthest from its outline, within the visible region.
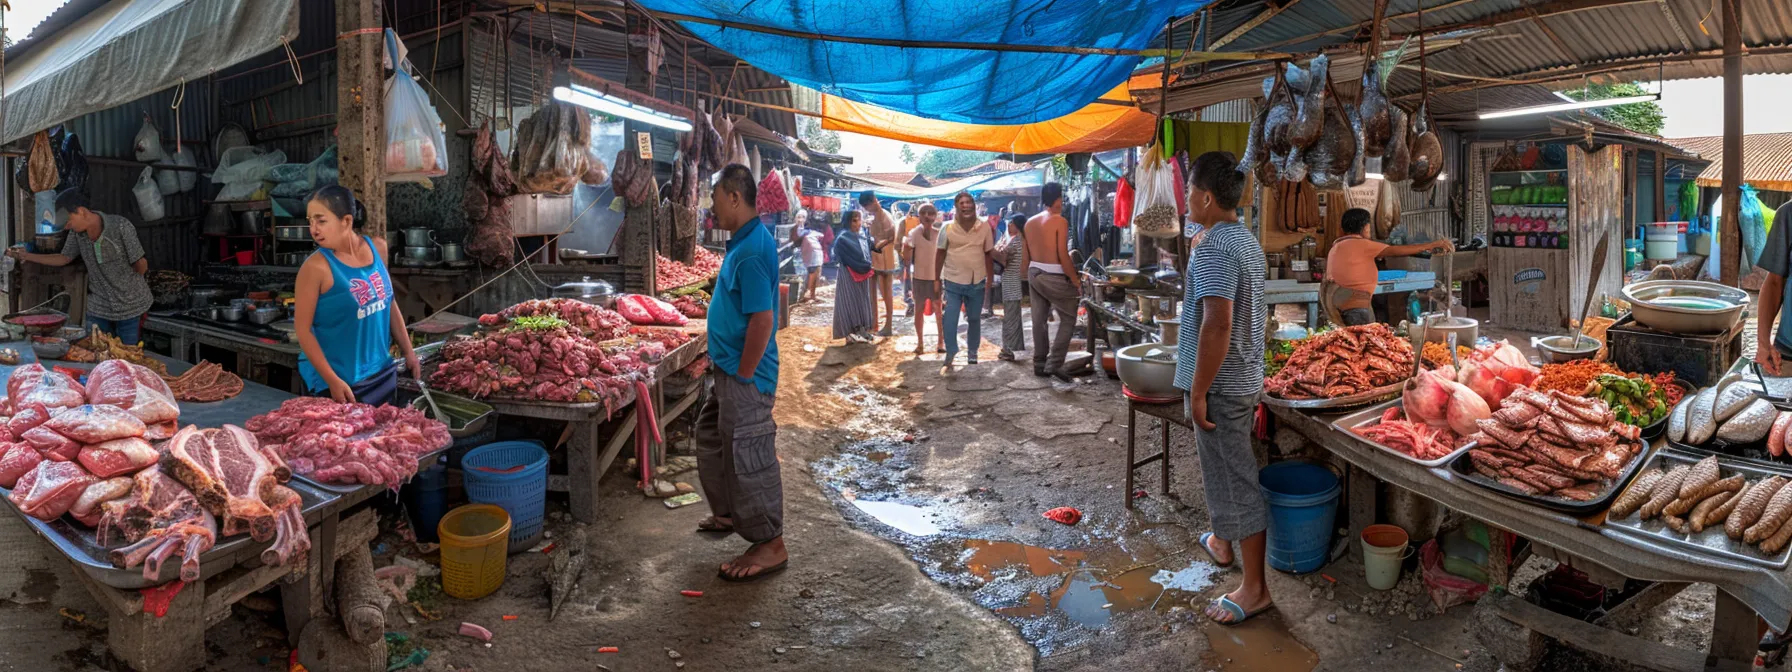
(987, 558)
(1092, 588)
(1262, 644)
(908, 518)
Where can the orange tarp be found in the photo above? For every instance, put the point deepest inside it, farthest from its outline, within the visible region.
(1095, 127)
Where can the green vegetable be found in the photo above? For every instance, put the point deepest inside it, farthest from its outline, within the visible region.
(538, 323)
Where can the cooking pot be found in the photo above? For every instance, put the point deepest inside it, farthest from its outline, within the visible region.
(291, 258)
(217, 220)
(1557, 349)
(200, 296)
(419, 237)
(292, 233)
(423, 253)
(1119, 337)
(452, 252)
(228, 313)
(595, 292)
(1685, 306)
(1129, 278)
(252, 222)
(267, 315)
(1148, 369)
(50, 243)
(1439, 327)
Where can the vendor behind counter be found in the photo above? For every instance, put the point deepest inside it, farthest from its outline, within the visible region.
(117, 294)
(1351, 269)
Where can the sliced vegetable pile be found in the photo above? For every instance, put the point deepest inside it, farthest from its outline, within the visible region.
(1636, 401)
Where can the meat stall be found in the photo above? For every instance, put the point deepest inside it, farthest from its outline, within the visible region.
(1602, 470)
(158, 611)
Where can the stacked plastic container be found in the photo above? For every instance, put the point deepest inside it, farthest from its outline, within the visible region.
(512, 475)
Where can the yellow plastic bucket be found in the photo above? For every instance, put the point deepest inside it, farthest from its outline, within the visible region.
(475, 542)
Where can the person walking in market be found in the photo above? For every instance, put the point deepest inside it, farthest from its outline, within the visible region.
(883, 259)
(1350, 266)
(966, 270)
(810, 247)
(919, 251)
(1047, 239)
(1219, 363)
(344, 311)
(739, 471)
(855, 311)
(1013, 253)
(117, 294)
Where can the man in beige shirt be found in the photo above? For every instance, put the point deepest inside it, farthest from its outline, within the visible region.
(966, 270)
(884, 259)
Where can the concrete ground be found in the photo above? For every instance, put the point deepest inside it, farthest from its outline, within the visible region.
(913, 513)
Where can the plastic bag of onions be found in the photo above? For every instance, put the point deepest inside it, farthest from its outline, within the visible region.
(1155, 201)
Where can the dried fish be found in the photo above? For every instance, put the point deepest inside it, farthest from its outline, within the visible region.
(1311, 112)
(1396, 158)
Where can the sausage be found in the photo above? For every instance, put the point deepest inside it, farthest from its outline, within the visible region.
(1748, 510)
(1703, 474)
(1636, 495)
(1772, 518)
(1704, 509)
(1717, 515)
(1665, 492)
(1684, 504)
(1776, 438)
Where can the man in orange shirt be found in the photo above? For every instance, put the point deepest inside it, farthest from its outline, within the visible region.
(1351, 266)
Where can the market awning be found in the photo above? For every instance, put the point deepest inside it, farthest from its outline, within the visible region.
(968, 61)
(1013, 180)
(122, 51)
(1096, 127)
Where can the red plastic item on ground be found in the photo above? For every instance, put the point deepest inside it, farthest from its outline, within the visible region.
(691, 593)
(506, 470)
(1065, 515)
(510, 617)
(157, 599)
(608, 649)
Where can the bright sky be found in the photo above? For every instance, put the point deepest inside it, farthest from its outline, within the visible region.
(1694, 107)
(26, 14)
(872, 154)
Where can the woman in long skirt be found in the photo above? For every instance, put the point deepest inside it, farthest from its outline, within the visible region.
(854, 314)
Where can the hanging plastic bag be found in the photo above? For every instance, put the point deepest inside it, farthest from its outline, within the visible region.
(149, 143)
(1154, 204)
(1753, 227)
(168, 182)
(149, 196)
(188, 178)
(416, 146)
(246, 164)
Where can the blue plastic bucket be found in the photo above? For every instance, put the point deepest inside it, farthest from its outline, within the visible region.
(427, 498)
(512, 475)
(1303, 503)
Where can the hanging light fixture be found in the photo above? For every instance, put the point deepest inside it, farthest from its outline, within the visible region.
(1566, 106)
(566, 91)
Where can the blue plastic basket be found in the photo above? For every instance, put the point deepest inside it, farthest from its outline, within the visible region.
(519, 485)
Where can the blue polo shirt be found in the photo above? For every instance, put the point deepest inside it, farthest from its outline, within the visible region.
(747, 284)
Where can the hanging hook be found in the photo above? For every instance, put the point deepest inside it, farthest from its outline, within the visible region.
(293, 60)
(180, 96)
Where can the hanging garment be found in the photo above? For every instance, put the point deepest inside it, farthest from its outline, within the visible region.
(1123, 203)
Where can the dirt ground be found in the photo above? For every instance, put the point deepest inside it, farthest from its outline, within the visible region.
(913, 514)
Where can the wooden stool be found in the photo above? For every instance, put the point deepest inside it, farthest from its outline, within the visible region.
(1166, 413)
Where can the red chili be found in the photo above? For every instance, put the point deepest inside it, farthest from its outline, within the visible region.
(691, 593)
(608, 649)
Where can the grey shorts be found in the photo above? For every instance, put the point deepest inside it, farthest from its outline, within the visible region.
(1358, 316)
(1235, 503)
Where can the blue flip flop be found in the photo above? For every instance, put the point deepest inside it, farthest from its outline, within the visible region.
(1239, 615)
(1203, 539)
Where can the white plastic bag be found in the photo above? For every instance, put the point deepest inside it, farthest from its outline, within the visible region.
(416, 144)
(168, 182)
(149, 143)
(149, 196)
(188, 178)
(246, 164)
(1154, 204)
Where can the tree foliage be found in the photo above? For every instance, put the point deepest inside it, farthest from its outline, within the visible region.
(1639, 117)
(810, 131)
(908, 154)
(937, 162)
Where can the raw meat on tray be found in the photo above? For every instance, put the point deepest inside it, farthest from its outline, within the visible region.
(49, 489)
(346, 444)
(138, 390)
(88, 510)
(15, 460)
(33, 383)
(157, 519)
(239, 481)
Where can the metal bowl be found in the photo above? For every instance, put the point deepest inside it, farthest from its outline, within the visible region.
(229, 313)
(267, 315)
(1558, 349)
(49, 347)
(1148, 369)
(1685, 306)
(50, 243)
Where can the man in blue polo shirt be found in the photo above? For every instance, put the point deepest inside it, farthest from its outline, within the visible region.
(740, 470)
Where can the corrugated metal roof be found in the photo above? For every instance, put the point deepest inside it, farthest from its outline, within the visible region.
(1767, 159)
(893, 178)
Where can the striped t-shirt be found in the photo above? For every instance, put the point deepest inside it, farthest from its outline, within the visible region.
(1227, 264)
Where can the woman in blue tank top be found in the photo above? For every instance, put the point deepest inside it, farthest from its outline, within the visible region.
(346, 321)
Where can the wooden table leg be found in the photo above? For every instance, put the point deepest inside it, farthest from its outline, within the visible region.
(1735, 634)
(302, 598)
(172, 643)
(1132, 430)
(582, 470)
(1362, 506)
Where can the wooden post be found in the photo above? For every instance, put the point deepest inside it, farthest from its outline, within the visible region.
(361, 108)
(1661, 185)
(1729, 235)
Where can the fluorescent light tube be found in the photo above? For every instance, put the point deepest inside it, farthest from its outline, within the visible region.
(1378, 176)
(608, 104)
(1564, 107)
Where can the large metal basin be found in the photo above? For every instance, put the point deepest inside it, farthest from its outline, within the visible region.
(1148, 369)
(1685, 306)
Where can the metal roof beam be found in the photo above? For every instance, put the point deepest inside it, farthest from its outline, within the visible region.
(1620, 65)
(1539, 10)
(1252, 24)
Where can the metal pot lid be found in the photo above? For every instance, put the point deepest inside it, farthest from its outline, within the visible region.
(584, 288)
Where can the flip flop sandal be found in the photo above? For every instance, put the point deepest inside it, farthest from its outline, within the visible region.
(710, 525)
(1205, 536)
(763, 572)
(1239, 615)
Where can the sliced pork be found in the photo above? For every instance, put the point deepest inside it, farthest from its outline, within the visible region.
(118, 457)
(159, 518)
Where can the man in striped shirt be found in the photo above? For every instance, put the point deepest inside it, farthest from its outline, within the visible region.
(1223, 310)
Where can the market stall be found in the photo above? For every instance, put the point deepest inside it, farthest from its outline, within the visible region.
(1620, 469)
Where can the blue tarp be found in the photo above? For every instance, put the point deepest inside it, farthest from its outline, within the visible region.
(1024, 178)
(969, 86)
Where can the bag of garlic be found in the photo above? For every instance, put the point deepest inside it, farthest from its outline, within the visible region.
(1154, 204)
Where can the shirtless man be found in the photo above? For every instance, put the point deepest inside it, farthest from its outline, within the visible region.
(885, 263)
(1047, 237)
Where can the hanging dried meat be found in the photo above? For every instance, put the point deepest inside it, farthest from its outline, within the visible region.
(713, 149)
(1254, 154)
(491, 241)
(553, 149)
(634, 179)
(42, 163)
(1280, 104)
(1396, 158)
(1427, 151)
(1329, 160)
(1311, 112)
(1372, 108)
(1358, 172)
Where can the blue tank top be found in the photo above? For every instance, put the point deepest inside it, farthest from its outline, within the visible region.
(352, 322)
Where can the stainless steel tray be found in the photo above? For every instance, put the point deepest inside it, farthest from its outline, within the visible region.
(423, 462)
(77, 542)
(1712, 540)
(1371, 416)
(1343, 403)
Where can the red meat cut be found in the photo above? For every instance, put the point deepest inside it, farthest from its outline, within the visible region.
(349, 443)
(51, 445)
(86, 509)
(90, 423)
(238, 480)
(49, 489)
(33, 383)
(29, 416)
(138, 390)
(15, 460)
(159, 517)
(118, 457)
